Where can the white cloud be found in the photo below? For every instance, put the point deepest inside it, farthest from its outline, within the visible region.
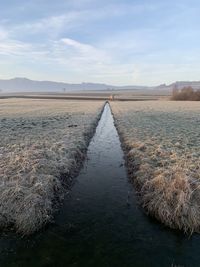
(83, 52)
(50, 25)
(12, 47)
(3, 34)
(54, 25)
(127, 52)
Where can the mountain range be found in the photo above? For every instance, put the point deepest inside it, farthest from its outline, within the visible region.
(27, 85)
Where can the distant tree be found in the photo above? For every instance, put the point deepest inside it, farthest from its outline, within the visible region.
(186, 93)
(175, 92)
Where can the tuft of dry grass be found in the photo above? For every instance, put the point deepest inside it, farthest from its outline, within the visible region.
(40, 143)
(173, 199)
(161, 142)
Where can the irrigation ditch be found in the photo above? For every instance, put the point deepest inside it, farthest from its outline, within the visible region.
(100, 223)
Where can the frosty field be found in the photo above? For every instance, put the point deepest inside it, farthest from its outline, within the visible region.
(161, 140)
(42, 143)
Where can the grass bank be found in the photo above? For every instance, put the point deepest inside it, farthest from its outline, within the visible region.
(161, 142)
(42, 146)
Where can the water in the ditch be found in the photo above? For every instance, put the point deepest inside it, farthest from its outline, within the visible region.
(100, 223)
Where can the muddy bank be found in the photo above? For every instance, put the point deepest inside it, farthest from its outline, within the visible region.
(161, 142)
(42, 147)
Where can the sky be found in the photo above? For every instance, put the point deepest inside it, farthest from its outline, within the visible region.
(121, 42)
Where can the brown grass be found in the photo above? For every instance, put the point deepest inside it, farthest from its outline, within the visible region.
(41, 141)
(173, 198)
(161, 142)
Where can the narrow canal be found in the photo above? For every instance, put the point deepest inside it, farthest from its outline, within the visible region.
(100, 223)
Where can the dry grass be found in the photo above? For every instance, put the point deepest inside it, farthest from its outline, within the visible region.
(162, 141)
(40, 141)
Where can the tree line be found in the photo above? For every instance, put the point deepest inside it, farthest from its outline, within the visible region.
(186, 93)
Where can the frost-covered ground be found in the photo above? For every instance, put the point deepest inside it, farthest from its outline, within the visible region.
(162, 143)
(41, 141)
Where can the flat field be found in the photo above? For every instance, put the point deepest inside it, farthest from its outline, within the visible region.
(162, 142)
(42, 143)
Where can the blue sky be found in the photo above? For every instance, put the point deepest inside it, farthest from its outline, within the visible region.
(144, 42)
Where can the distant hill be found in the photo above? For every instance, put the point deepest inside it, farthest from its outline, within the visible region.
(181, 84)
(26, 85)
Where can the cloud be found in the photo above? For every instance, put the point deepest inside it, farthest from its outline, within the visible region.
(107, 41)
(78, 18)
(3, 34)
(83, 52)
(52, 25)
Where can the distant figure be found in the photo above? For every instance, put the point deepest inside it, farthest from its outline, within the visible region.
(64, 90)
(111, 98)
